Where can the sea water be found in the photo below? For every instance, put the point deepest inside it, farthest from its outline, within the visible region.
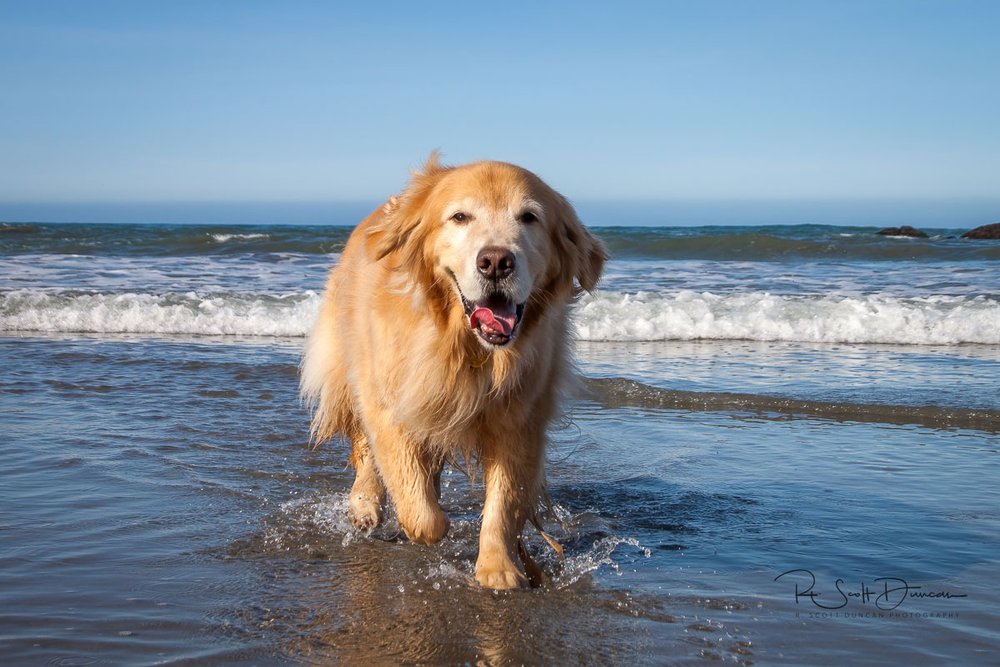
(786, 453)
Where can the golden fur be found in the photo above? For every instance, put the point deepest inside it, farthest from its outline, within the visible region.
(395, 364)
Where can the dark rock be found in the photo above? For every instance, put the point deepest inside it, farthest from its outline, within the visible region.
(984, 232)
(16, 228)
(905, 230)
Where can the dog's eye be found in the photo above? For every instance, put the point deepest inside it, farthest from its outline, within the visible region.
(527, 218)
(460, 217)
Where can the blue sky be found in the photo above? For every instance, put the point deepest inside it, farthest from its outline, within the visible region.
(295, 101)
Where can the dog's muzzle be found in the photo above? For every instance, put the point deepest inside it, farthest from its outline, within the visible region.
(493, 318)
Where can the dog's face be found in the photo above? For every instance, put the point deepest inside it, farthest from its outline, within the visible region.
(492, 242)
(496, 236)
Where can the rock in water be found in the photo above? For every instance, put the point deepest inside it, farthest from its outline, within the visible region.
(984, 232)
(905, 230)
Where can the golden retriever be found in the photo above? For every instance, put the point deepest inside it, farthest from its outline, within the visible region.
(443, 334)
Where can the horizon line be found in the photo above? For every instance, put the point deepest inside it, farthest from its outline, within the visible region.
(636, 199)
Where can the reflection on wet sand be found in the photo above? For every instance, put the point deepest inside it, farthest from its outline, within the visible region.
(343, 598)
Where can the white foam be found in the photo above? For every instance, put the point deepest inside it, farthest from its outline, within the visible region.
(763, 316)
(222, 238)
(605, 316)
(243, 314)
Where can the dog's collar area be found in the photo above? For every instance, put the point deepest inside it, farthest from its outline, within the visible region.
(494, 319)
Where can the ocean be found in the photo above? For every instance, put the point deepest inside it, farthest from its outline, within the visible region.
(786, 453)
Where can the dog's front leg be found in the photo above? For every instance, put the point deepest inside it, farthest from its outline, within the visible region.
(367, 493)
(512, 474)
(409, 473)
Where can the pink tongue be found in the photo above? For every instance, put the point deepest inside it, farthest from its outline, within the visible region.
(485, 317)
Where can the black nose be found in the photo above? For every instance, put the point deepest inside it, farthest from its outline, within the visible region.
(495, 263)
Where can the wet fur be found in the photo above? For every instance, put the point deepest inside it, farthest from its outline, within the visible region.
(393, 365)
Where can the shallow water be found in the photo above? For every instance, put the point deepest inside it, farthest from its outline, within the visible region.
(955, 376)
(816, 401)
(160, 505)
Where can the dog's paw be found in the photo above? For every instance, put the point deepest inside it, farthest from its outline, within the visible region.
(429, 528)
(365, 511)
(500, 578)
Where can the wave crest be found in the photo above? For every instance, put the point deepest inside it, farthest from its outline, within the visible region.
(605, 316)
(142, 313)
(763, 316)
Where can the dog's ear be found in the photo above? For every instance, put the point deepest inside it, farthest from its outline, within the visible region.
(585, 253)
(401, 214)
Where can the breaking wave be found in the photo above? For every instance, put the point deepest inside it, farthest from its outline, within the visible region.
(605, 316)
(688, 315)
(223, 238)
(222, 314)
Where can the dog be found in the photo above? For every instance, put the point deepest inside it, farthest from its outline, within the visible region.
(443, 335)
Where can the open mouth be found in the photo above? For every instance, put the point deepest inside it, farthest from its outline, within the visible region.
(494, 318)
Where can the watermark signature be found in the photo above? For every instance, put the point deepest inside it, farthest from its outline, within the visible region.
(882, 593)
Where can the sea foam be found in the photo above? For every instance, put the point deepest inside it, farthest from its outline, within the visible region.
(605, 316)
(689, 315)
(243, 314)
(223, 238)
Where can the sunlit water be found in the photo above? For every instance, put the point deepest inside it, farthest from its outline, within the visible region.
(813, 401)
(160, 505)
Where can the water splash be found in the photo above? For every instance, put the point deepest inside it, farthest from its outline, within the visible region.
(604, 552)
(316, 522)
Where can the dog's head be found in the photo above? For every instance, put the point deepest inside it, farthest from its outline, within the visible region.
(489, 238)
